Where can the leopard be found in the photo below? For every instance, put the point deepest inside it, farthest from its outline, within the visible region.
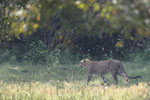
(103, 67)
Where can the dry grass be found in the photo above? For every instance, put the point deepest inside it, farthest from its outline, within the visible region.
(72, 91)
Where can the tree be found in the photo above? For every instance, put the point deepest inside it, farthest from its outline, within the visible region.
(68, 24)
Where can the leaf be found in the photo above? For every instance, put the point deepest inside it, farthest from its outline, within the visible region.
(96, 7)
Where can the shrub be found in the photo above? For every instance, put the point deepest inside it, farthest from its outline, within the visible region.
(36, 52)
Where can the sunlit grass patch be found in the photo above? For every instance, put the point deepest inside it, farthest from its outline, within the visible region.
(71, 91)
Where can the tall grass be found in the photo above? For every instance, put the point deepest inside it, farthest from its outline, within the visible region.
(72, 91)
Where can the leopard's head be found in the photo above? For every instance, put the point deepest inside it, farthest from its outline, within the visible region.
(84, 62)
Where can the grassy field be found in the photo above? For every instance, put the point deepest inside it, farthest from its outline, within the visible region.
(67, 82)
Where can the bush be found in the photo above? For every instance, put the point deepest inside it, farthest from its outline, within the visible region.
(36, 52)
(4, 55)
(52, 59)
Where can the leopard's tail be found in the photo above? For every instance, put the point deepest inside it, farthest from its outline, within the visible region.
(136, 77)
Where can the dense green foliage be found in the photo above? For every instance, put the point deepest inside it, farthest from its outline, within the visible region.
(31, 30)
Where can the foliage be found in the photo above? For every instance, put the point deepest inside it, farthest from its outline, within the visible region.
(4, 56)
(18, 17)
(53, 59)
(139, 55)
(81, 27)
(36, 52)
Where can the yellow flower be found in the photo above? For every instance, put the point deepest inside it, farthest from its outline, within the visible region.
(119, 44)
(35, 26)
(82, 6)
(21, 30)
(96, 7)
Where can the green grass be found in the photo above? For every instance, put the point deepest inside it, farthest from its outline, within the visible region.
(67, 82)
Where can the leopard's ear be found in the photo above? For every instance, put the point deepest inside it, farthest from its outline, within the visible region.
(84, 61)
(87, 60)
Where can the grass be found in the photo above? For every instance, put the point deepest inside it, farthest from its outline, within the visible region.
(67, 82)
(72, 91)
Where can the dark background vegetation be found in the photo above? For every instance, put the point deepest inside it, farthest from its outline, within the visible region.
(44, 31)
